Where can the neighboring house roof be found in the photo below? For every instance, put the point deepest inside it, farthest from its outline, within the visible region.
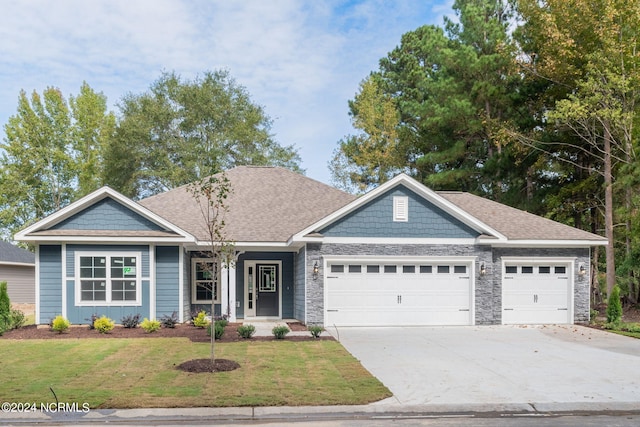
(513, 223)
(267, 204)
(11, 254)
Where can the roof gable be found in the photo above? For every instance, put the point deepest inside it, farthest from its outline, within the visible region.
(375, 218)
(431, 202)
(106, 215)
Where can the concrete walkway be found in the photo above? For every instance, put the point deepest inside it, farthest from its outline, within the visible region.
(264, 328)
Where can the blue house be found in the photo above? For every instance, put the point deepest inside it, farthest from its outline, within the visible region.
(401, 254)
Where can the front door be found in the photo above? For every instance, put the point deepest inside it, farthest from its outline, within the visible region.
(263, 289)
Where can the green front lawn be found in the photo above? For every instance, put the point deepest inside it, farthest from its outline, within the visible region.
(137, 373)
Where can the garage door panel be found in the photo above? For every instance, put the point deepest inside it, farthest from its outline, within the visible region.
(535, 295)
(399, 296)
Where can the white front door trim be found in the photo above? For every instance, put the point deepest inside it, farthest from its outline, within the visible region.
(251, 313)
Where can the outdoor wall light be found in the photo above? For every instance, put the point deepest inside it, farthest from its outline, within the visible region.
(315, 270)
(483, 269)
(581, 269)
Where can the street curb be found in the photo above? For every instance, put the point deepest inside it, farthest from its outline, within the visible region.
(319, 412)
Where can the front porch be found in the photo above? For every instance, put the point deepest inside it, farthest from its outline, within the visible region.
(259, 287)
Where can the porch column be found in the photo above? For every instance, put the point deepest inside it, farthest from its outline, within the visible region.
(228, 289)
(231, 272)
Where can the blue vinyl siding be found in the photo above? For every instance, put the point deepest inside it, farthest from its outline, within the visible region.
(50, 258)
(287, 279)
(167, 280)
(82, 315)
(375, 219)
(107, 214)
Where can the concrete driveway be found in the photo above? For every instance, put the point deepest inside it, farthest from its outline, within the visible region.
(577, 366)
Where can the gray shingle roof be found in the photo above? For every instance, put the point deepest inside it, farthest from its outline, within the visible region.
(514, 223)
(268, 204)
(12, 253)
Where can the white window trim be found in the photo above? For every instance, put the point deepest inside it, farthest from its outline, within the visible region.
(400, 208)
(108, 302)
(194, 294)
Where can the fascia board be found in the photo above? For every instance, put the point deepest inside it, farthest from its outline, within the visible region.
(91, 199)
(105, 239)
(549, 243)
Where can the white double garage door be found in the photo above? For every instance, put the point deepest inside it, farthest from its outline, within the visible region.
(440, 291)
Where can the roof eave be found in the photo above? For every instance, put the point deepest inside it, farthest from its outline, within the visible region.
(541, 243)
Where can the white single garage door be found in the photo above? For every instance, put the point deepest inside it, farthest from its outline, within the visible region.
(536, 294)
(393, 293)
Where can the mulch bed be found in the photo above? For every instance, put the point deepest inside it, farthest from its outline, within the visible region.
(181, 330)
(205, 365)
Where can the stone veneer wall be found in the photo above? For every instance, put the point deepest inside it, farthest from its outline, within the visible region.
(488, 288)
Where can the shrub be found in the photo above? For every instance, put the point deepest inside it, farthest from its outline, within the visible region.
(169, 321)
(93, 319)
(219, 328)
(246, 331)
(60, 324)
(222, 320)
(150, 325)
(103, 325)
(280, 331)
(130, 321)
(614, 307)
(5, 308)
(17, 318)
(315, 330)
(201, 321)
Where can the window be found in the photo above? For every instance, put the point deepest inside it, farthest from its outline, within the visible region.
(355, 269)
(443, 269)
(526, 269)
(337, 268)
(204, 280)
(408, 269)
(400, 209)
(459, 269)
(390, 268)
(544, 269)
(108, 279)
(560, 270)
(373, 269)
(511, 269)
(426, 269)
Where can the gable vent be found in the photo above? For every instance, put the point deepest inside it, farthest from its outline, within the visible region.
(400, 209)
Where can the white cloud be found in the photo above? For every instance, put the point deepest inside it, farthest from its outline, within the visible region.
(302, 60)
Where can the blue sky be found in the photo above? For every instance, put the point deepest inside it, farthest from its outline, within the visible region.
(300, 59)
